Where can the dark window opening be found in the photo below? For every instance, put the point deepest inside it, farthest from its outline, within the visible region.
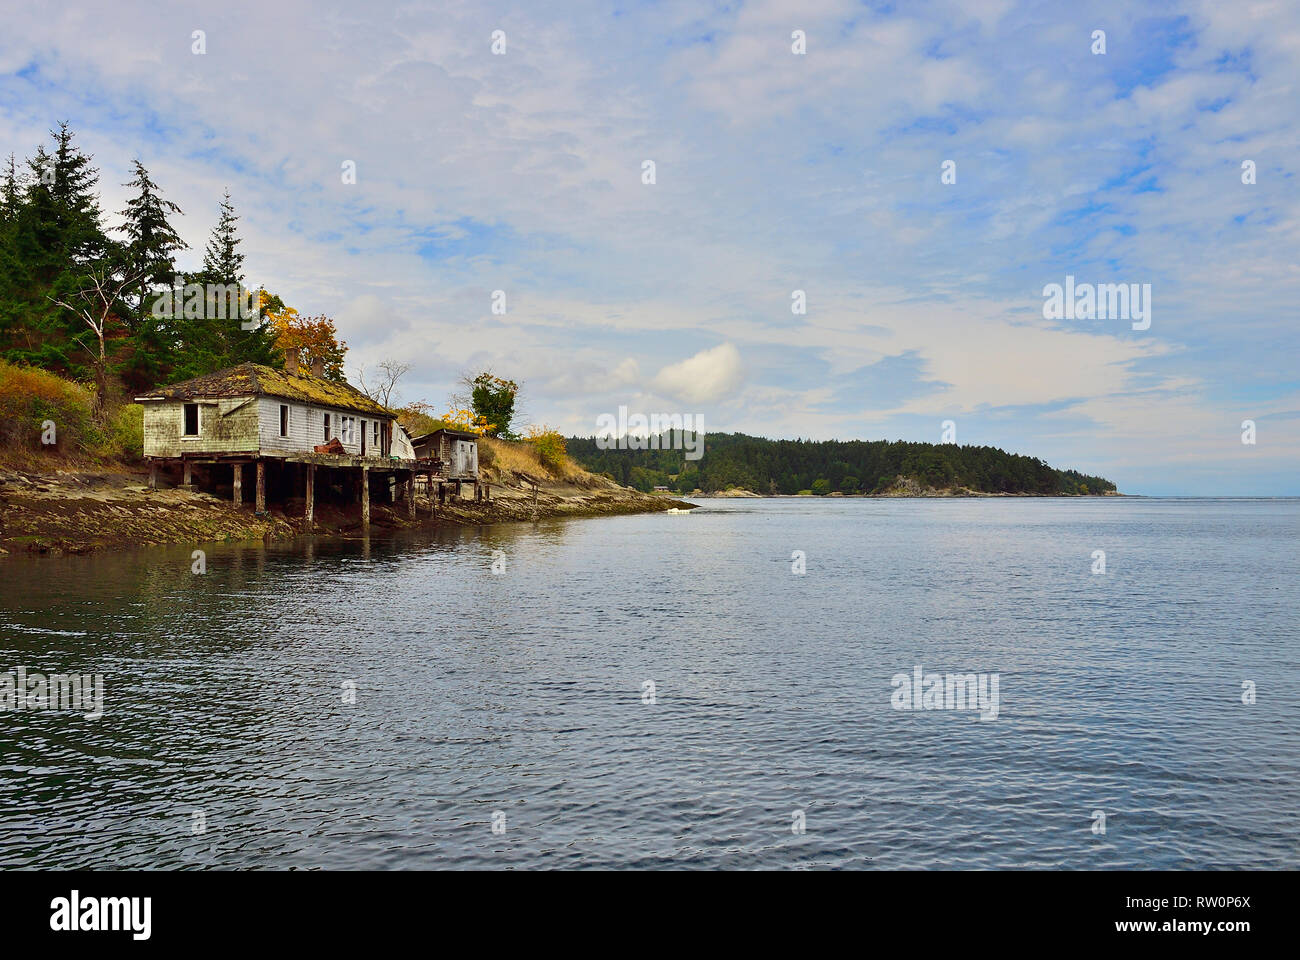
(327, 428)
(191, 419)
(284, 420)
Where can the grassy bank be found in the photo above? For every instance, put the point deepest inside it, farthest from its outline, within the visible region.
(49, 424)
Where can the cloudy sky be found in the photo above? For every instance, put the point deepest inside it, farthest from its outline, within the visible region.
(774, 172)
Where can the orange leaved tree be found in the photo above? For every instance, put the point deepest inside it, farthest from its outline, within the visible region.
(311, 338)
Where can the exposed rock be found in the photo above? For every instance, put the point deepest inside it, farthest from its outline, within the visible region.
(76, 515)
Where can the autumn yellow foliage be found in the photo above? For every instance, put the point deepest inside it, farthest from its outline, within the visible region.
(549, 444)
(311, 338)
(466, 420)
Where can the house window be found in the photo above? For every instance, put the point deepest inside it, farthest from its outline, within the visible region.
(191, 419)
(327, 428)
(284, 419)
(375, 437)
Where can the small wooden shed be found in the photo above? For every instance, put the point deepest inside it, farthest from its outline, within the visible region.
(456, 450)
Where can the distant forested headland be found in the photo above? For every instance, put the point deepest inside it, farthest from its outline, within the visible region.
(829, 466)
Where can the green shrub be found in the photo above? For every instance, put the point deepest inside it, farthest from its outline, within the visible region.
(126, 432)
(549, 445)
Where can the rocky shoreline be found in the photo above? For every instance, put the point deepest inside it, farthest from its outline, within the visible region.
(71, 513)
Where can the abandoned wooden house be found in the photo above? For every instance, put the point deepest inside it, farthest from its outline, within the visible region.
(305, 435)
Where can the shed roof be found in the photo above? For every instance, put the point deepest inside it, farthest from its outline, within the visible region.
(256, 379)
(463, 434)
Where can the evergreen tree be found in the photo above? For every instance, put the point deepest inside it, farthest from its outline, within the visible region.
(222, 261)
(218, 338)
(55, 236)
(149, 255)
(72, 181)
(151, 241)
(11, 191)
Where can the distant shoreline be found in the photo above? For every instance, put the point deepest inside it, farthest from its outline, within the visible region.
(924, 494)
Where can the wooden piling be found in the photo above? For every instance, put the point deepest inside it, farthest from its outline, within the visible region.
(311, 493)
(153, 474)
(259, 503)
(186, 469)
(365, 496)
(410, 495)
(239, 484)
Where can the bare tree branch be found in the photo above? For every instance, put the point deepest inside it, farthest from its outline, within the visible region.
(385, 388)
(95, 309)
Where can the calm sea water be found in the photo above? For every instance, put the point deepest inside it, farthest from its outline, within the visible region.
(519, 698)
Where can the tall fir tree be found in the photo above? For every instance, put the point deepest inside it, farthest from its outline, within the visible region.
(151, 241)
(11, 268)
(222, 261)
(219, 339)
(56, 236)
(11, 191)
(149, 253)
(72, 182)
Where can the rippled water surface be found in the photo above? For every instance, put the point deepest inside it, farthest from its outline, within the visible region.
(521, 694)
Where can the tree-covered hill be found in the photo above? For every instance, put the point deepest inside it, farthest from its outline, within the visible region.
(852, 466)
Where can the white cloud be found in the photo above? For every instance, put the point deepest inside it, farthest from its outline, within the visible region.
(776, 173)
(708, 376)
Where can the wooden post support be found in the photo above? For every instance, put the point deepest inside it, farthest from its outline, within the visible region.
(153, 474)
(259, 502)
(311, 493)
(365, 496)
(239, 484)
(442, 493)
(188, 478)
(410, 495)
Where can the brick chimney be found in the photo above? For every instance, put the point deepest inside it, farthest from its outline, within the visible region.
(291, 362)
(318, 367)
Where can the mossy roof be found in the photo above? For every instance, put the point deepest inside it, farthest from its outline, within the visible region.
(254, 379)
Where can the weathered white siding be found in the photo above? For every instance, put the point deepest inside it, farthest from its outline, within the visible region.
(252, 425)
(464, 458)
(307, 428)
(402, 443)
(225, 426)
